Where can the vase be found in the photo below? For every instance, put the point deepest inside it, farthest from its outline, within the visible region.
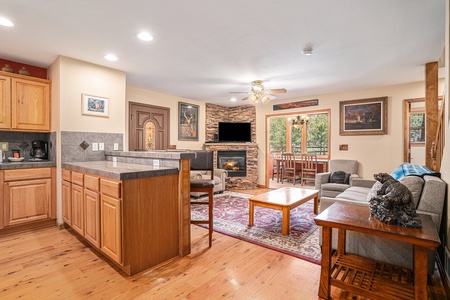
(7, 68)
(24, 71)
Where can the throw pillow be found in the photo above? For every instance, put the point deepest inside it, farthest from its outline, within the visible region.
(415, 185)
(196, 176)
(347, 178)
(338, 177)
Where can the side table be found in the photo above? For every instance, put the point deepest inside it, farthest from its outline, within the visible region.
(367, 277)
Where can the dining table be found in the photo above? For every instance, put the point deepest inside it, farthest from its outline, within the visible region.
(322, 164)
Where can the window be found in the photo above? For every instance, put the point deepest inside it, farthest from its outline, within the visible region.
(311, 138)
(417, 127)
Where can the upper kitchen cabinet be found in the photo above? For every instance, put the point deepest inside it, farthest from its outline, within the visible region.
(25, 103)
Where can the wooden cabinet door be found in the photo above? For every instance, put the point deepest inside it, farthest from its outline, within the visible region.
(5, 102)
(111, 228)
(67, 202)
(30, 105)
(77, 209)
(27, 201)
(92, 215)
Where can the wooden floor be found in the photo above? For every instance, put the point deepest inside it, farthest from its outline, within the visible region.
(54, 264)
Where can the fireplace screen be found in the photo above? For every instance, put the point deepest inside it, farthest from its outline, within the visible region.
(232, 161)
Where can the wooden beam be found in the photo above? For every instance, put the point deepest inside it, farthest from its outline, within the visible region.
(431, 108)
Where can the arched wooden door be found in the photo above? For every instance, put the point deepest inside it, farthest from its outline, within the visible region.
(149, 127)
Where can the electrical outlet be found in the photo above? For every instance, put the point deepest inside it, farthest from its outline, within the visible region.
(4, 146)
(116, 146)
(114, 159)
(156, 163)
(94, 146)
(101, 146)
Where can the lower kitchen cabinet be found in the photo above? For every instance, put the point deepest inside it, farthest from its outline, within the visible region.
(67, 202)
(28, 196)
(134, 222)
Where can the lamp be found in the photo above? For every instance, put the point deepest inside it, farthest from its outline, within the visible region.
(299, 121)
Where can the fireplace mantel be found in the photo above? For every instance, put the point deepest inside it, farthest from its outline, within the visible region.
(251, 180)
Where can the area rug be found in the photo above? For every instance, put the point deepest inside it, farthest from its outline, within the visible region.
(231, 218)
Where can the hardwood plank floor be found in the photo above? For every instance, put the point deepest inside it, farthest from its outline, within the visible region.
(54, 264)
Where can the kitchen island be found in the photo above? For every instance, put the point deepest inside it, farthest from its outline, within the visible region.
(130, 212)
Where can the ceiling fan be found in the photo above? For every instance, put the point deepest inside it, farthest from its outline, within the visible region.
(259, 94)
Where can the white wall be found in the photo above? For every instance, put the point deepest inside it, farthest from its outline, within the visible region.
(153, 98)
(376, 153)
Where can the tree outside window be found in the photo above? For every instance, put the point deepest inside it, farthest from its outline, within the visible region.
(417, 128)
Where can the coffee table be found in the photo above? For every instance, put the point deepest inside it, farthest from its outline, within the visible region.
(283, 199)
(367, 277)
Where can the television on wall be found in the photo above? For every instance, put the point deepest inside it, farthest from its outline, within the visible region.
(238, 132)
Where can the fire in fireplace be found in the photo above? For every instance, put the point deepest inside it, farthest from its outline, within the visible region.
(233, 161)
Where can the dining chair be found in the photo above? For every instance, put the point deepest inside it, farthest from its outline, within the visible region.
(204, 160)
(275, 157)
(289, 171)
(309, 167)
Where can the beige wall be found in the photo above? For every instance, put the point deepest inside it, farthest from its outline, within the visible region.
(153, 98)
(376, 153)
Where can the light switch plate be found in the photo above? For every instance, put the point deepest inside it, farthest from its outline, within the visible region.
(94, 146)
(101, 146)
(4, 146)
(116, 146)
(156, 163)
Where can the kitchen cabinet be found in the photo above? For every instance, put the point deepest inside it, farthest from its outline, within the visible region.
(66, 198)
(28, 196)
(24, 102)
(138, 221)
(77, 203)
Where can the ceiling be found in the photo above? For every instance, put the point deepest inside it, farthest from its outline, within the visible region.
(202, 50)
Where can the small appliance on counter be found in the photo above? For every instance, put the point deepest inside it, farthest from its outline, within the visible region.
(39, 150)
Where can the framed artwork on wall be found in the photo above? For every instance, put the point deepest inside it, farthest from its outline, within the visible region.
(363, 116)
(188, 117)
(94, 106)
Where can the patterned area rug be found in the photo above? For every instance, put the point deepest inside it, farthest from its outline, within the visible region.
(231, 218)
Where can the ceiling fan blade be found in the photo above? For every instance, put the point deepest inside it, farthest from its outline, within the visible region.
(239, 92)
(246, 98)
(277, 91)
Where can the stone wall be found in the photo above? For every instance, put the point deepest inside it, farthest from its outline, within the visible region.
(217, 113)
(243, 183)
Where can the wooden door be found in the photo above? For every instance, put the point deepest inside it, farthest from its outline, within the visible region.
(92, 215)
(27, 201)
(149, 127)
(77, 209)
(30, 105)
(111, 228)
(5, 102)
(67, 202)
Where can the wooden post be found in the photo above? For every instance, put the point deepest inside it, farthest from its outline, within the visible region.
(431, 109)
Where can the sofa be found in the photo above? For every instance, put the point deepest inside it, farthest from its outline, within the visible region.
(220, 175)
(328, 187)
(429, 197)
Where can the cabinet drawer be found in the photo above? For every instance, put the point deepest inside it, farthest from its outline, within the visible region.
(92, 182)
(111, 188)
(77, 178)
(23, 174)
(66, 175)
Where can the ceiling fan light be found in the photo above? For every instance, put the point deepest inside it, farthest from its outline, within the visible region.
(253, 99)
(265, 99)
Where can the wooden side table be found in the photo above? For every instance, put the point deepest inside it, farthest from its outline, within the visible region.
(367, 277)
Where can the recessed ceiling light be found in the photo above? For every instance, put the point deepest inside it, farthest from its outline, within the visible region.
(111, 57)
(233, 99)
(6, 22)
(145, 36)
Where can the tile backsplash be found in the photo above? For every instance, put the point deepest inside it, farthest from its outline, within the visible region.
(22, 141)
(77, 146)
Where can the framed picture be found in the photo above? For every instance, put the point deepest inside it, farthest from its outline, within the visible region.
(363, 116)
(94, 106)
(188, 122)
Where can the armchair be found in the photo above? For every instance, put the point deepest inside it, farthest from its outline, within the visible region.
(330, 189)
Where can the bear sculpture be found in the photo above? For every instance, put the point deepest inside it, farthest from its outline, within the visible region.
(393, 203)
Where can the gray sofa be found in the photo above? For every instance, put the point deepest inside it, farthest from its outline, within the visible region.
(220, 175)
(429, 197)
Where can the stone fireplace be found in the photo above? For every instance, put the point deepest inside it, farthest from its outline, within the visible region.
(233, 161)
(247, 180)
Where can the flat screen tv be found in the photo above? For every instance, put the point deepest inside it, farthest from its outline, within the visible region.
(235, 132)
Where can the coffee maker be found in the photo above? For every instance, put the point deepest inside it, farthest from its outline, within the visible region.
(39, 149)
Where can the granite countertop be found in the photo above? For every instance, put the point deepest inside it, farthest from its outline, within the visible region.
(119, 170)
(6, 165)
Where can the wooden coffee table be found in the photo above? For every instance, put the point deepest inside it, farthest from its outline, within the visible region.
(283, 199)
(381, 280)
